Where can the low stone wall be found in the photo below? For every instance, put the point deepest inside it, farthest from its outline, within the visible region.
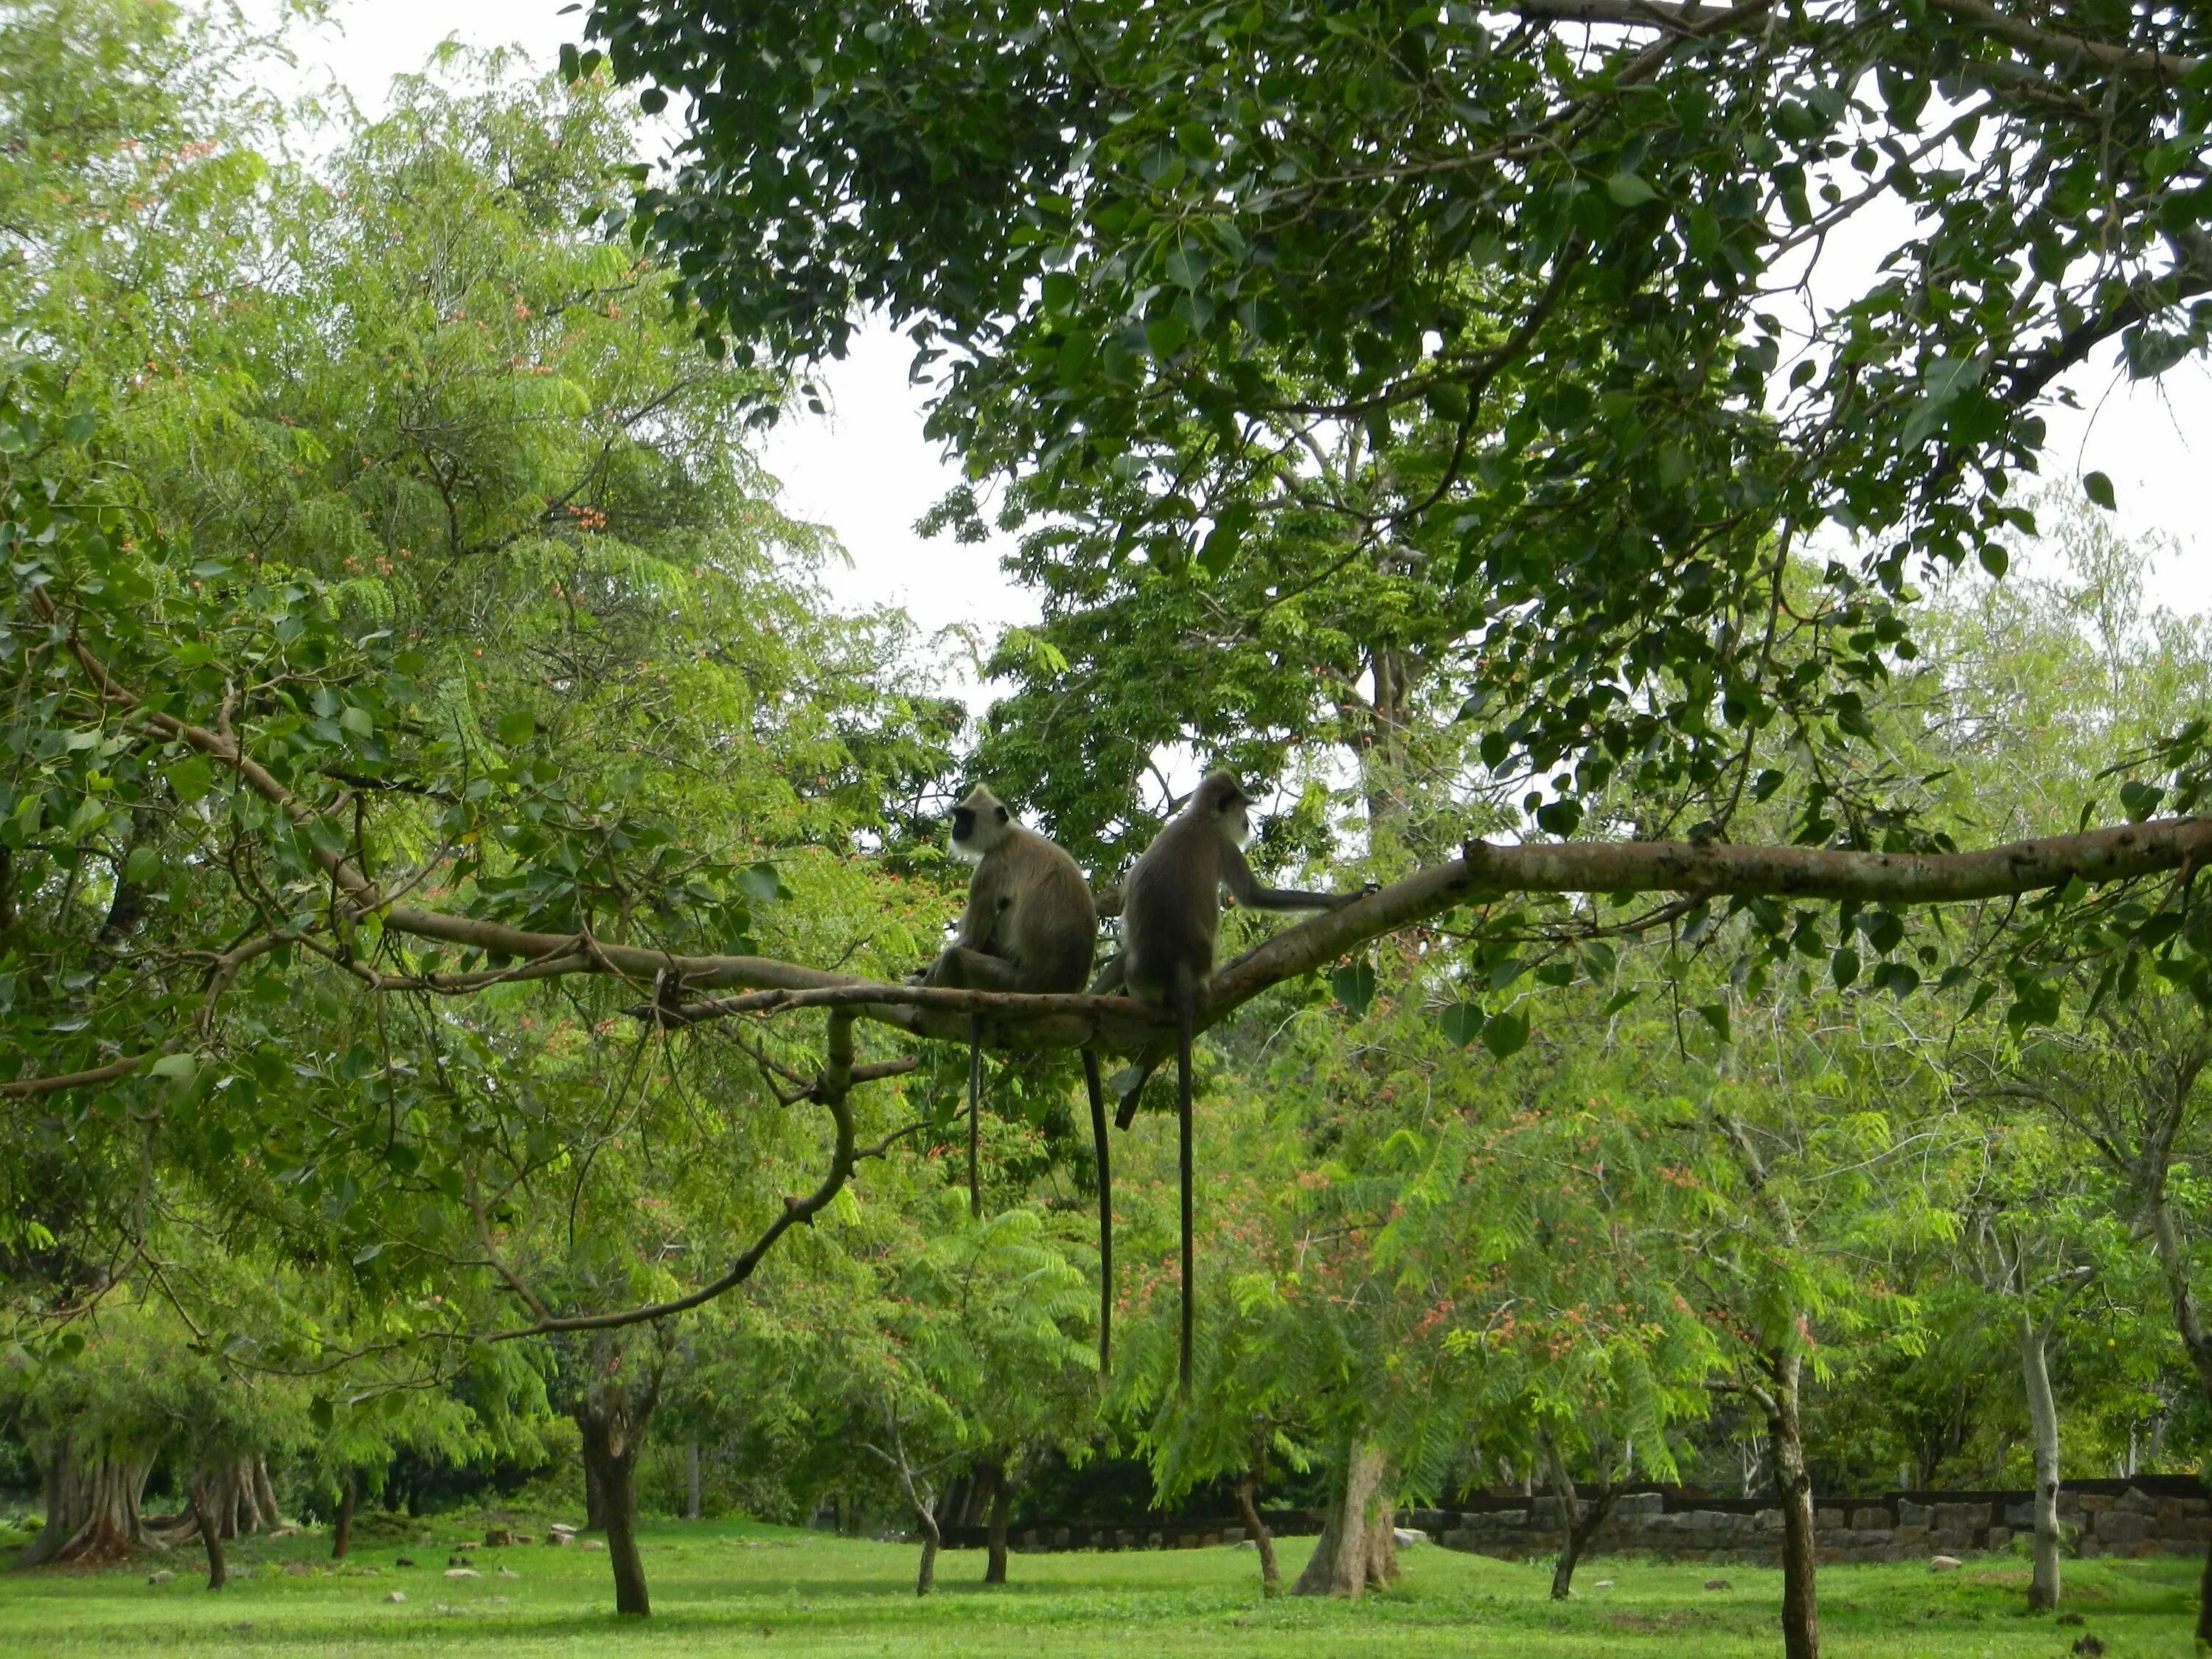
(2151, 1514)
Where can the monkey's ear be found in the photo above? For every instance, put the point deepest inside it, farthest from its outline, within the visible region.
(1004, 815)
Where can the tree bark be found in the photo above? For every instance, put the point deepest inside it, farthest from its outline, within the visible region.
(2043, 1420)
(342, 1536)
(1002, 1500)
(925, 1519)
(1800, 1616)
(92, 1509)
(1576, 1529)
(1248, 1502)
(595, 1499)
(2189, 1324)
(1356, 1549)
(614, 1424)
(204, 1511)
(691, 1480)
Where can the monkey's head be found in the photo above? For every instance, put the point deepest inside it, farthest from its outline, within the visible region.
(1220, 797)
(979, 825)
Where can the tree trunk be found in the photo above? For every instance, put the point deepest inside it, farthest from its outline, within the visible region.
(1002, 1500)
(1356, 1549)
(595, 1500)
(92, 1509)
(1576, 1528)
(613, 1427)
(1800, 1616)
(342, 1539)
(2189, 1324)
(264, 1494)
(2043, 1419)
(210, 1524)
(690, 1481)
(925, 1518)
(1248, 1501)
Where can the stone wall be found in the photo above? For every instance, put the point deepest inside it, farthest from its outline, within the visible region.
(2151, 1514)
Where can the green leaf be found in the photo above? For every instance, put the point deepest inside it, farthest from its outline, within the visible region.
(144, 864)
(760, 883)
(1843, 967)
(2098, 488)
(357, 720)
(1716, 1014)
(184, 1068)
(1505, 1034)
(1353, 985)
(1628, 191)
(320, 1412)
(1164, 336)
(1462, 1024)
(2139, 799)
(1219, 551)
(517, 726)
(189, 779)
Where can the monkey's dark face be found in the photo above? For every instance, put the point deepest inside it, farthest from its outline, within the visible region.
(979, 824)
(1222, 795)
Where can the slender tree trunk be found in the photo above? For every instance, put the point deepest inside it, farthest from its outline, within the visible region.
(691, 1480)
(2043, 1420)
(1002, 1501)
(1248, 1501)
(1356, 1549)
(342, 1539)
(202, 1499)
(264, 1494)
(1576, 1529)
(2189, 1324)
(1800, 1610)
(925, 1518)
(613, 1431)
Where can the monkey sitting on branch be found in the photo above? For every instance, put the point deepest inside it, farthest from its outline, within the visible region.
(1171, 918)
(1030, 926)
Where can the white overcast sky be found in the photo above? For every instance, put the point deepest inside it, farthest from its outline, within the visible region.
(868, 472)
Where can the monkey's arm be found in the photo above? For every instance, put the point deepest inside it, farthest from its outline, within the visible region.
(1236, 876)
(979, 922)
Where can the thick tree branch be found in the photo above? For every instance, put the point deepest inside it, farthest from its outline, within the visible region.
(2047, 46)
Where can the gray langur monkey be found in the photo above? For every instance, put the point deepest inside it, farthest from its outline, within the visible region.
(1171, 918)
(1030, 926)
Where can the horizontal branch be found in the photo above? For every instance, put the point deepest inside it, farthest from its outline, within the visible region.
(2047, 46)
(24, 1088)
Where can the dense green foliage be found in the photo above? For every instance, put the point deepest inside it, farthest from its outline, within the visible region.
(413, 694)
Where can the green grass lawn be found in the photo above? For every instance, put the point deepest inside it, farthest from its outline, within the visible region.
(730, 1587)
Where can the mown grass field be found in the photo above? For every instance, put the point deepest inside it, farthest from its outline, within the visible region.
(736, 1588)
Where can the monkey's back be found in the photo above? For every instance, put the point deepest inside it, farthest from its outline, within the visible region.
(1054, 933)
(1171, 906)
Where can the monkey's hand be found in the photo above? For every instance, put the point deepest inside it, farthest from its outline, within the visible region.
(1367, 890)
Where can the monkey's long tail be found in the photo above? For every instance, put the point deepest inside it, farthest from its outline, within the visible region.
(1185, 1002)
(1105, 1215)
(975, 1112)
